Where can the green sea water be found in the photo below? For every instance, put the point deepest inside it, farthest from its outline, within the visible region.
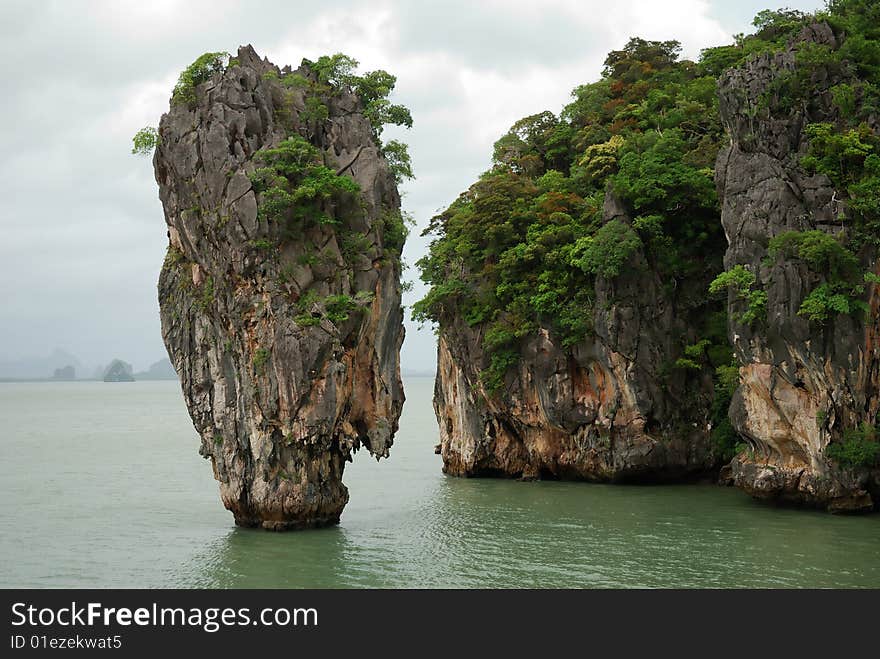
(102, 486)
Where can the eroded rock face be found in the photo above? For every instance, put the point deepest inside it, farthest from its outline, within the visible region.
(608, 409)
(801, 383)
(281, 391)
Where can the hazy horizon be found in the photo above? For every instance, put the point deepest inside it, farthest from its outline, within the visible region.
(84, 230)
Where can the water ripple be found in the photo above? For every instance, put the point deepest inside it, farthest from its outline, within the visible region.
(104, 488)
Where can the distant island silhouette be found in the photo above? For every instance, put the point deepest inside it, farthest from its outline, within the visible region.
(62, 366)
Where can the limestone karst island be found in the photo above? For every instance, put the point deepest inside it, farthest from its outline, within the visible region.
(280, 293)
(673, 278)
(447, 296)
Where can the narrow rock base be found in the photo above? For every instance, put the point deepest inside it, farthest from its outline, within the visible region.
(798, 485)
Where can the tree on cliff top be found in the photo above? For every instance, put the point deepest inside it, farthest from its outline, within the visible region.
(522, 248)
(373, 88)
(332, 72)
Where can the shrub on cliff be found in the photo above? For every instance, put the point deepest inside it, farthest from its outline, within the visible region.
(605, 253)
(294, 183)
(843, 282)
(195, 74)
(859, 447)
(145, 141)
(397, 155)
(295, 186)
(373, 88)
(742, 283)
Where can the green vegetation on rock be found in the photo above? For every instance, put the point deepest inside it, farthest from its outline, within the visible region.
(742, 282)
(860, 447)
(145, 141)
(261, 357)
(846, 151)
(195, 74)
(373, 88)
(396, 226)
(397, 155)
(296, 188)
(843, 282)
(294, 185)
(335, 308)
(523, 248)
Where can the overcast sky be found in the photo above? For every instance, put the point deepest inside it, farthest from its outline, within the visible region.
(83, 236)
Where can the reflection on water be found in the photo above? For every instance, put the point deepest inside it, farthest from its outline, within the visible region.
(498, 533)
(104, 488)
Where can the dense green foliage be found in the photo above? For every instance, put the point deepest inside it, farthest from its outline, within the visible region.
(860, 447)
(145, 141)
(294, 186)
(524, 247)
(605, 253)
(399, 162)
(373, 88)
(527, 245)
(742, 283)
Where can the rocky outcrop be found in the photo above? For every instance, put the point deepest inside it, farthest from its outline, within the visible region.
(286, 342)
(802, 383)
(607, 409)
(65, 373)
(118, 371)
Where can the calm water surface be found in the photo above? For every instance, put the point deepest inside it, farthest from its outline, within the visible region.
(102, 486)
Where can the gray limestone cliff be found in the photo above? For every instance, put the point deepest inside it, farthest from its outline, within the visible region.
(803, 384)
(280, 306)
(606, 409)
